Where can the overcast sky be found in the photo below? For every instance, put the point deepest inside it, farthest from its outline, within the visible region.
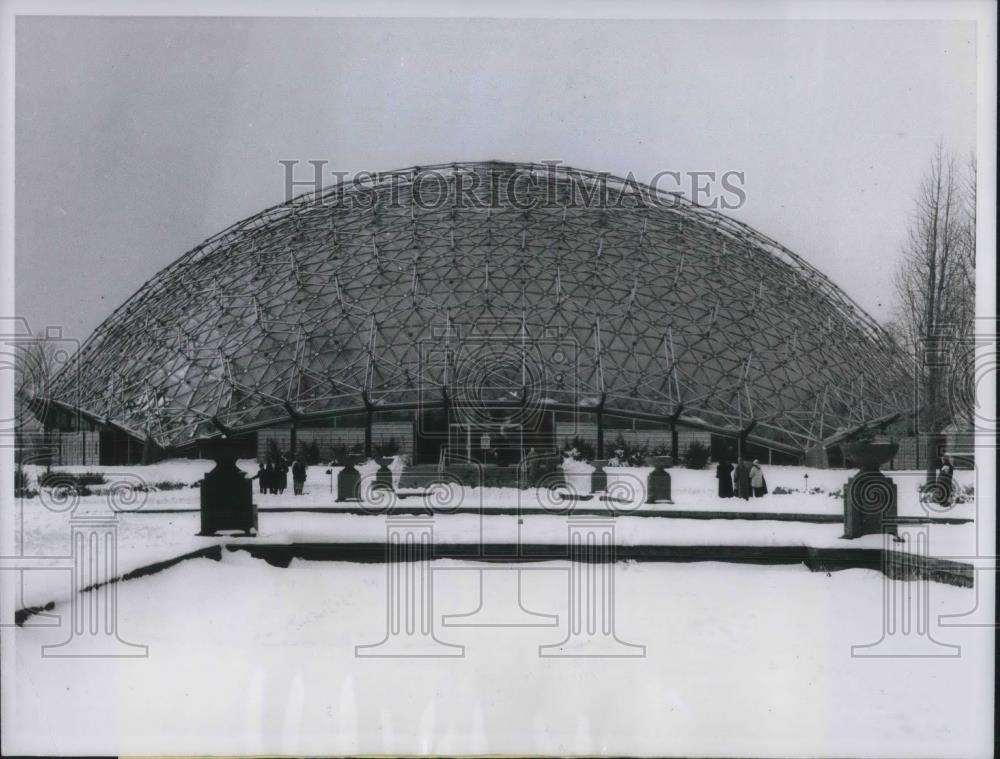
(138, 138)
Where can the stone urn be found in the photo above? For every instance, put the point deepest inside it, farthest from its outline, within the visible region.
(220, 449)
(868, 457)
(348, 461)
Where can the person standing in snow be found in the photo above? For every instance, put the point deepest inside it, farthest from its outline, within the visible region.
(261, 477)
(267, 478)
(945, 482)
(281, 475)
(724, 474)
(742, 479)
(757, 481)
(298, 476)
(530, 466)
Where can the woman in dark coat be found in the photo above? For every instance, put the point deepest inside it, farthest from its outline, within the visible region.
(724, 474)
(945, 482)
(267, 478)
(260, 477)
(281, 475)
(298, 475)
(742, 477)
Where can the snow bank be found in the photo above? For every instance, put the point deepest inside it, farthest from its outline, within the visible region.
(245, 658)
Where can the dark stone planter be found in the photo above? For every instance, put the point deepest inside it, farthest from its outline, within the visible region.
(226, 493)
(383, 477)
(870, 498)
(349, 482)
(868, 457)
(658, 481)
(599, 478)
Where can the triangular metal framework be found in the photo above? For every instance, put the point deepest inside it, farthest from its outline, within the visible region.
(332, 304)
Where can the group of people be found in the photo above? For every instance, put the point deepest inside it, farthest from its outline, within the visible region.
(272, 476)
(742, 480)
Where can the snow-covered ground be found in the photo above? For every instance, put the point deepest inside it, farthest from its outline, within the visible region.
(146, 536)
(248, 658)
(816, 490)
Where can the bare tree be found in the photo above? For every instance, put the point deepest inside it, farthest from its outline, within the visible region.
(935, 283)
(35, 367)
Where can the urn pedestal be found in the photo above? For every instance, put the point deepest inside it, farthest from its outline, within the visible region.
(226, 493)
(349, 482)
(599, 478)
(658, 481)
(383, 477)
(870, 498)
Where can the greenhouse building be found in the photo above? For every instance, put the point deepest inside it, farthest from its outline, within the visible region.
(476, 312)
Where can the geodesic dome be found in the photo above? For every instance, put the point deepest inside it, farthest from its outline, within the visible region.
(426, 287)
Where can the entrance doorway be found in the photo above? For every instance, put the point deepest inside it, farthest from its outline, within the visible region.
(499, 437)
(496, 444)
